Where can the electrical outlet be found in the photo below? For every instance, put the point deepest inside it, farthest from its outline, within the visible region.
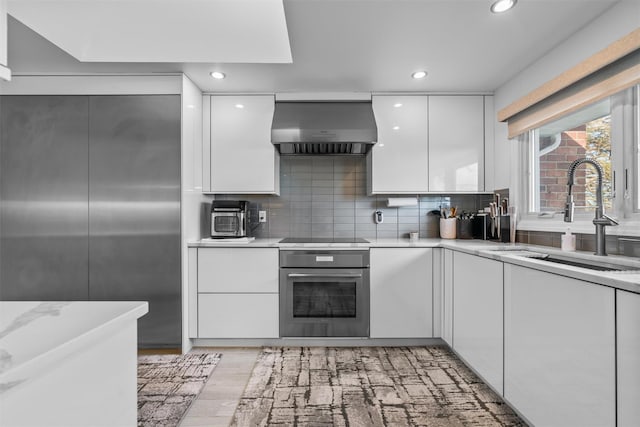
(262, 216)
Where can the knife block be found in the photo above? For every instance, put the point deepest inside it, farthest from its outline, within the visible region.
(480, 227)
(504, 223)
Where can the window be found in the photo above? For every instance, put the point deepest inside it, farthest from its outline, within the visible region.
(599, 132)
(586, 134)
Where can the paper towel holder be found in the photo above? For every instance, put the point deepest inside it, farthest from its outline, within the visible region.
(396, 202)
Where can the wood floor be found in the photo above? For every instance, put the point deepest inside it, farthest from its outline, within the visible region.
(217, 402)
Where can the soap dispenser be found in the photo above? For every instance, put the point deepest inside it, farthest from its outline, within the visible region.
(568, 241)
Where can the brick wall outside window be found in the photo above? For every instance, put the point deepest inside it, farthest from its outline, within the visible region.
(554, 166)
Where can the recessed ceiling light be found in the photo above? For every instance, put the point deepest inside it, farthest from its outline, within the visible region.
(218, 75)
(381, 145)
(396, 127)
(398, 105)
(500, 6)
(419, 74)
(239, 106)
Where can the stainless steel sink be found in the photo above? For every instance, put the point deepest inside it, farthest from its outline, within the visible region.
(591, 265)
(597, 265)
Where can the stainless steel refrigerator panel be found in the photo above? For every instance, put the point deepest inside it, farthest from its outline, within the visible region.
(134, 209)
(43, 198)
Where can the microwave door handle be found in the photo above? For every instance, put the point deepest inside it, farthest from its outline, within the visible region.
(346, 276)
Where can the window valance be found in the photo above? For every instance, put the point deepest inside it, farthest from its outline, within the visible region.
(609, 71)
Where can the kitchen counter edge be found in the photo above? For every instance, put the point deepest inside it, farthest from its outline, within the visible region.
(628, 281)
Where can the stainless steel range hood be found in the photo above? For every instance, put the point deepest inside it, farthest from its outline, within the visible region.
(319, 127)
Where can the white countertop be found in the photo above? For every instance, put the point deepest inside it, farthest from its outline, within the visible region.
(34, 335)
(625, 280)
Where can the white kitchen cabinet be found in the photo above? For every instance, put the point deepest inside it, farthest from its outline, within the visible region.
(447, 297)
(240, 158)
(478, 315)
(398, 162)
(5, 72)
(237, 293)
(401, 293)
(238, 315)
(238, 270)
(456, 143)
(628, 342)
(559, 349)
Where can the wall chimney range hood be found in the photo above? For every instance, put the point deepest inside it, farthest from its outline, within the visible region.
(323, 127)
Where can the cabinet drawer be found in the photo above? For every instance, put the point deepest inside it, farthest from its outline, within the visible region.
(238, 270)
(238, 316)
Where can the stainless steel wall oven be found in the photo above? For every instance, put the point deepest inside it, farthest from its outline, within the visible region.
(324, 293)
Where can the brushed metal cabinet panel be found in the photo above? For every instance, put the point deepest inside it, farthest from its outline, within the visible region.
(43, 198)
(134, 209)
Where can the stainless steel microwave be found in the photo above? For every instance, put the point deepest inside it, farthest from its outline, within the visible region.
(229, 218)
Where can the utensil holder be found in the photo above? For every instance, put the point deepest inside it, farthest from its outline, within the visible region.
(448, 228)
(464, 229)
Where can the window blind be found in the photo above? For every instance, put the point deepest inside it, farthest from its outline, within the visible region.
(609, 71)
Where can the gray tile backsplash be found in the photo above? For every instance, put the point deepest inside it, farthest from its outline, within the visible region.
(327, 197)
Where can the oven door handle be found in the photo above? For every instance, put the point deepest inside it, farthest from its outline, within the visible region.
(346, 276)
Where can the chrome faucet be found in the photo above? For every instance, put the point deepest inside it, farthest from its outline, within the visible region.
(601, 220)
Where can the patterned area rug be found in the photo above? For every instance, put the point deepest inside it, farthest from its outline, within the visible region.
(368, 386)
(167, 384)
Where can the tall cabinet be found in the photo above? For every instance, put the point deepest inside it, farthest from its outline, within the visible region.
(134, 208)
(90, 203)
(44, 182)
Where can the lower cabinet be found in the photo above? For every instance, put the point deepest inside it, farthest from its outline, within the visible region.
(559, 364)
(447, 297)
(401, 293)
(628, 334)
(237, 293)
(478, 316)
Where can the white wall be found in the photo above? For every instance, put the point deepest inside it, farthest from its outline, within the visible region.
(618, 21)
(192, 197)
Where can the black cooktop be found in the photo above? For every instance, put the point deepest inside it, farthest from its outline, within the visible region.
(323, 240)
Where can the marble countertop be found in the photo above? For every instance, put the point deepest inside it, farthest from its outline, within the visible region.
(35, 335)
(505, 252)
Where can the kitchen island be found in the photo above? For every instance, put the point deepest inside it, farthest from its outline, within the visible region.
(69, 363)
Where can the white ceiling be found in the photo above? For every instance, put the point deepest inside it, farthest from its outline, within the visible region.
(365, 46)
(161, 30)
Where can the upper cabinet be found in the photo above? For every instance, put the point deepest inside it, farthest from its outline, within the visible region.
(5, 72)
(398, 162)
(428, 144)
(456, 143)
(240, 158)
